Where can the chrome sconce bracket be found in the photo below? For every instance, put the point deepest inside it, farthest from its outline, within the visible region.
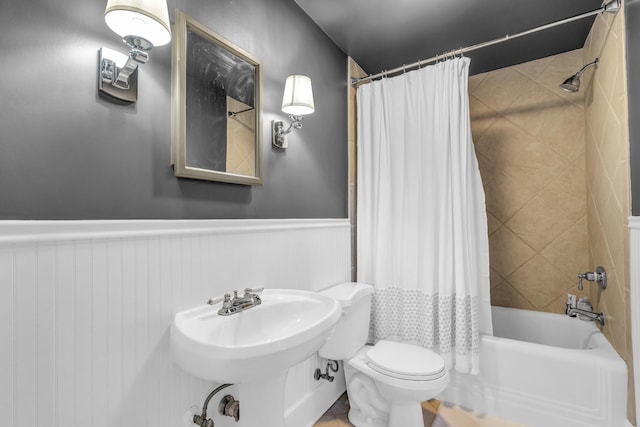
(118, 73)
(278, 132)
(117, 76)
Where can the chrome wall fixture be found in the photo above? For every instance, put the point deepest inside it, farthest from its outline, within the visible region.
(142, 24)
(332, 365)
(572, 84)
(297, 102)
(599, 276)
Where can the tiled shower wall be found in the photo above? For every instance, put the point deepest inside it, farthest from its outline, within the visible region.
(608, 184)
(555, 168)
(85, 309)
(353, 71)
(529, 139)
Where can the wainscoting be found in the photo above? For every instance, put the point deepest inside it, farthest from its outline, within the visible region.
(85, 309)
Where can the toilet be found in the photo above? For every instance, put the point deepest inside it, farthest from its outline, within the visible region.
(387, 381)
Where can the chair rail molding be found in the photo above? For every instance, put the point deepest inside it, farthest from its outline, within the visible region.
(39, 231)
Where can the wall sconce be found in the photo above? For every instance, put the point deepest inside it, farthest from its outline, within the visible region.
(142, 24)
(297, 102)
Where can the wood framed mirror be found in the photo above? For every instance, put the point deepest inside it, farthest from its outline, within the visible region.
(216, 107)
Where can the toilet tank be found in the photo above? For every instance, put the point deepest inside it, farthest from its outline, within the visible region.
(352, 330)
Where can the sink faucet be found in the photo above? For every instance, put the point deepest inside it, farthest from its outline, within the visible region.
(238, 304)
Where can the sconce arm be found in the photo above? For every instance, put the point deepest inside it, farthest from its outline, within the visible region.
(116, 72)
(296, 123)
(136, 57)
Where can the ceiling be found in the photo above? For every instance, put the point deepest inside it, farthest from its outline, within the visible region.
(385, 34)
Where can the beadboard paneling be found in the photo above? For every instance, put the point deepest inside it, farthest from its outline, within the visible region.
(85, 311)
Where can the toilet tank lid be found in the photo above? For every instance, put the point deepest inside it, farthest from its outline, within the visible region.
(347, 293)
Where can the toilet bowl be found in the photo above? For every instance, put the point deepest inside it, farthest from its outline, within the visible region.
(386, 382)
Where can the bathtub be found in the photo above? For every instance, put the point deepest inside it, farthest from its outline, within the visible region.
(545, 370)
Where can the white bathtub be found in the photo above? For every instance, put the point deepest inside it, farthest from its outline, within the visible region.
(545, 370)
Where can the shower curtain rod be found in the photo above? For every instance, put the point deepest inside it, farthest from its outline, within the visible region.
(612, 7)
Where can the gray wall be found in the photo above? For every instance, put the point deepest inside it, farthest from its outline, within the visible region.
(66, 153)
(632, 16)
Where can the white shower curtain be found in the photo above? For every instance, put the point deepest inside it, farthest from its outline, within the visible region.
(422, 224)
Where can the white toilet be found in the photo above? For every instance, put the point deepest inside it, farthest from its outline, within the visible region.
(385, 382)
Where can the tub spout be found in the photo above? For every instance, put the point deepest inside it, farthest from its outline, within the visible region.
(598, 317)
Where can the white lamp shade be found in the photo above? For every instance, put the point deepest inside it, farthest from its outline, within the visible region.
(148, 19)
(298, 96)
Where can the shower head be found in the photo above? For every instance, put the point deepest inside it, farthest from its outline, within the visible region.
(572, 84)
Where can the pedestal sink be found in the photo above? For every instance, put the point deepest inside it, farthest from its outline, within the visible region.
(254, 348)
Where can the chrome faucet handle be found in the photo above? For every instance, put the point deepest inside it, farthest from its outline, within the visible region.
(252, 290)
(599, 276)
(222, 298)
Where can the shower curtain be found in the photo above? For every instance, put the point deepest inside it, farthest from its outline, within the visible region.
(422, 225)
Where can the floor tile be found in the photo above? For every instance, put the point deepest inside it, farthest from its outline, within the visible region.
(435, 414)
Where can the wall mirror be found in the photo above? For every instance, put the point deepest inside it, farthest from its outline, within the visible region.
(216, 114)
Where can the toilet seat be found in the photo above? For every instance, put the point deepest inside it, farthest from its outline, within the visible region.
(405, 361)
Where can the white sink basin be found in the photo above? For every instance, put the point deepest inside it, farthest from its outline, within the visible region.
(260, 342)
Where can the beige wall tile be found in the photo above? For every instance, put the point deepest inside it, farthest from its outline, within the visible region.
(508, 251)
(546, 216)
(563, 130)
(540, 282)
(474, 81)
(504, 295)
(569, 252)
(482, 117)
(531, 109)
(505, 196)
(607, 161)
(492, 223)
(572, 180)
(500, 88)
